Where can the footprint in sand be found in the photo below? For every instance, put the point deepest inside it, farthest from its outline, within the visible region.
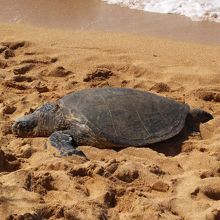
(102, 193)
(14, 45)
(8, 109)
(80, 210)
(99, 74)
(99, 78)
(23, 69)
(160, 87)
(21, 78)
(210, 189)
(126, 173)
(39, 182)
(208, 94)
(212, 192)
(82, 170)
(59, 72)
(13, 84)
(8, 162)
(8, 48)
(8, 53)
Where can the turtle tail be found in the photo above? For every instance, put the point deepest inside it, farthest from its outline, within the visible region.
(195, 117)
(200, 116)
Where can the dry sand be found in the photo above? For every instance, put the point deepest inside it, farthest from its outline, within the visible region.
(169, 182)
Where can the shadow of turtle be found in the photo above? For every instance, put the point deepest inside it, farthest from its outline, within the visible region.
(171, 147)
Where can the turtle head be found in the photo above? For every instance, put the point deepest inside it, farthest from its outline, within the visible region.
(40, 123)
(197, 116)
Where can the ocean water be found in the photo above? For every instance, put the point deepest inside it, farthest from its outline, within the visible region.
(197, 10)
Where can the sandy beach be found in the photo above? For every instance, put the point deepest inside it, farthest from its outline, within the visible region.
(39, 65)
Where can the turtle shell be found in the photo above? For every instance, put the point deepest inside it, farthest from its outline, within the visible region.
(127, 117)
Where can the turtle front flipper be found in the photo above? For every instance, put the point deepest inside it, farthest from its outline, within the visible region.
(65, 144)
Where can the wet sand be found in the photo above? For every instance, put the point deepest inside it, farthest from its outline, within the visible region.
(98, 16)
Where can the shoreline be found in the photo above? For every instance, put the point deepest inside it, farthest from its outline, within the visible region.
(99, 16)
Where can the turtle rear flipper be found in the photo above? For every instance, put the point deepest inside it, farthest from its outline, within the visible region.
(195, 117)
(65, 144)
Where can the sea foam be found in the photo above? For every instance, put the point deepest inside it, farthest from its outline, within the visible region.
(197, 10)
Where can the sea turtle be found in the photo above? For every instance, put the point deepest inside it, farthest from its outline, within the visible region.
(109, 117)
